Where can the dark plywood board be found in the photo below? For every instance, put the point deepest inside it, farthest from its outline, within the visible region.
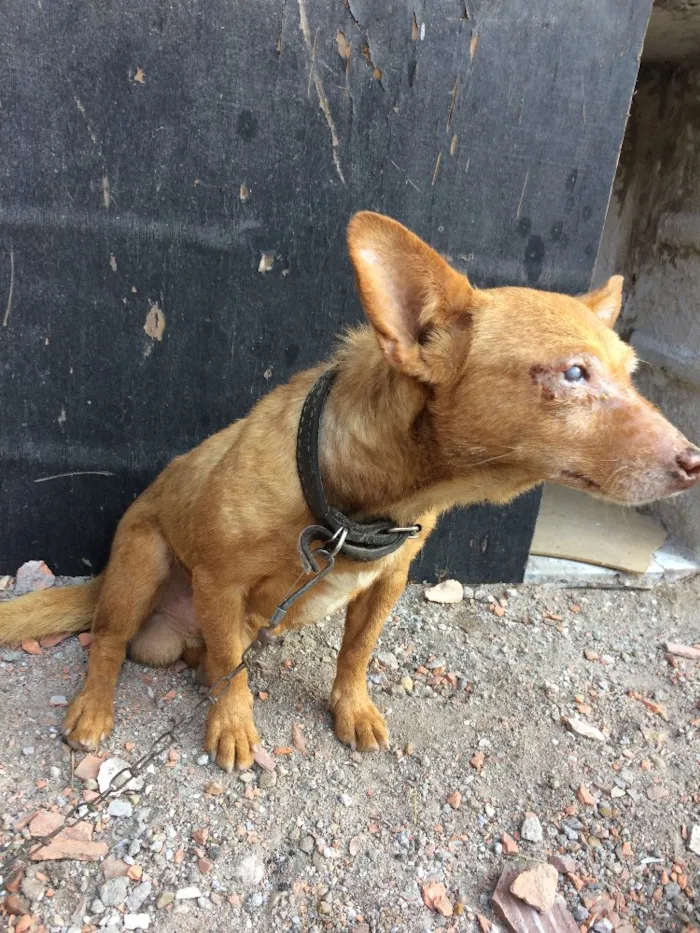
(127, 128)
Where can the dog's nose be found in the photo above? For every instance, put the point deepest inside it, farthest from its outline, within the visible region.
(689, 462)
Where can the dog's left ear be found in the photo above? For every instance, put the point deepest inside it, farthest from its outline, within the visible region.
(413, 299)
(605, 302)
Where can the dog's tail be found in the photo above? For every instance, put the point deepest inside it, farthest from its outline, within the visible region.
(47, 612)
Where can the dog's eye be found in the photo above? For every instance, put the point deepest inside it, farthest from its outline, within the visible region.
(575, 374)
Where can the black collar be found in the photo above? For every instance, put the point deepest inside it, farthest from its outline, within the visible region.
(365, 541)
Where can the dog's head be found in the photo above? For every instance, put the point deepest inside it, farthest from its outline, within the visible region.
(530, 382)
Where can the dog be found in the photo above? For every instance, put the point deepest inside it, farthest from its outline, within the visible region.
(452, 395)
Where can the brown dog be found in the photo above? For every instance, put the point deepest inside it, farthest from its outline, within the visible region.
(454, 395)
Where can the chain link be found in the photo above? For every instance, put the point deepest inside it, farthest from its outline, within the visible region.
(265, 636)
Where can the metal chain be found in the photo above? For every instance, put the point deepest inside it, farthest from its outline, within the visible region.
(265, 636)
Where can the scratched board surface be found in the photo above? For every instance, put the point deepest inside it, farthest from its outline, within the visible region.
(175, 180)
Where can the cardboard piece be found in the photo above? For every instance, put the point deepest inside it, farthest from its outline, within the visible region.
(575, 526)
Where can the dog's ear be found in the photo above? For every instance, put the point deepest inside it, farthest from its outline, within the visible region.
(411, 296)
(605, 302)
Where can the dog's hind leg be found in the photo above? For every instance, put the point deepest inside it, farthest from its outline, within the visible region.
(138, 566)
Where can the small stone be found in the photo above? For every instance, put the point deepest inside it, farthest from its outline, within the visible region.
(267, 779)
(136, 921)
(28, 750)
(388, 660)
(683, 651)
(346, 800)
(17, 906)
(510, 846)
(203, 760)
(204, 903)
(263, 758)
(355, 845)
(97, 907)
(45, 822)
(324, 908)
(449, 591)
(537, 886)
(564, 864)
(138, 897)
(89, 768)
(657, 792)
(307, 844)
(31, 646)
(58, 700)
(580, 913)
(73, 844)
(113, 893)
(617, 792)
(204, 865)
(455, 800)
(33, 889)
(165, 900)
(531, 830)
(31, 576)
(120, 808)
(694, 841)
(247, 777)
(114, 868)
(435, 898)
(407, 684)
(585, 796)
(109, 770)
(250, 870)
(214, 788)
(468, 592)
(477, 761)
(583, 728)
(11, 657)
(188, 894)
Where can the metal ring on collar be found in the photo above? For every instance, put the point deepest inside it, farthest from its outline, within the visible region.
(338, 540)
(414, 530)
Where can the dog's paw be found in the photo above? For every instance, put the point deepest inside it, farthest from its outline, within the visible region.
(359, 724)
(231, 737)
(89, 721)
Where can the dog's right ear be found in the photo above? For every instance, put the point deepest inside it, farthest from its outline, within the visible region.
(605, 302)
(409, 293)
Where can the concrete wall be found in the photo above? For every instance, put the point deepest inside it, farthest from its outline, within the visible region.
(674, 32)
(652, 236)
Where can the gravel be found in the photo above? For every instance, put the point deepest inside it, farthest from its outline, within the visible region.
(482, 764)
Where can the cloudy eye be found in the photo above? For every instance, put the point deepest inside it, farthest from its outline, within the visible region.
(575, 374)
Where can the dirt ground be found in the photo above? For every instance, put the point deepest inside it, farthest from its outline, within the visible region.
(475, 695)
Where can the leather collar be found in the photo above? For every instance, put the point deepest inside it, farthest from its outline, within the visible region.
(364, 541)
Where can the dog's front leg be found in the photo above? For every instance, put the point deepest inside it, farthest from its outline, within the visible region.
(358, 722)
(231, 735)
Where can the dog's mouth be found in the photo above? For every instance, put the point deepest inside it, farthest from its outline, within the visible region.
(579, 480)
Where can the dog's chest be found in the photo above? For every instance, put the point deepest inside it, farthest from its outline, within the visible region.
(335, 592)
